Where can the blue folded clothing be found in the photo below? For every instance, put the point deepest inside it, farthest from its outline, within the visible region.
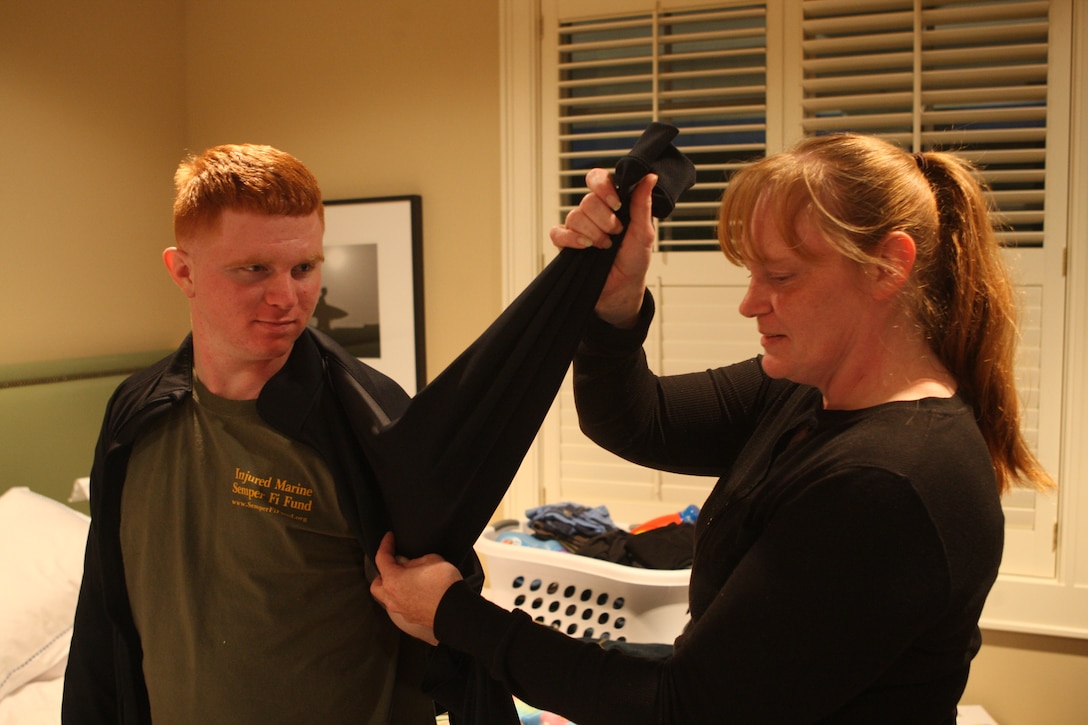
(570, 519)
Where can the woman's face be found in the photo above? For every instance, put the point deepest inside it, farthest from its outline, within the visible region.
(813, 309)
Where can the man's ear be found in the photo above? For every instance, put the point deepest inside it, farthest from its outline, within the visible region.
(180, 267)
(894, 262)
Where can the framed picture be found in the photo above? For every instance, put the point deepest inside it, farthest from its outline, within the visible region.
(372, 284)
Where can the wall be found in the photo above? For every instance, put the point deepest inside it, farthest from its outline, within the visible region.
(102, 100)
(91, 118)
(1024, 679)
(377, 98)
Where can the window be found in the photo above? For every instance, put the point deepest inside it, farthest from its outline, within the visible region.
(704, 71)
(970, 77)
(987, 78)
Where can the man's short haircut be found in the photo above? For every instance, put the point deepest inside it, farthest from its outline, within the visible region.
(241, 177)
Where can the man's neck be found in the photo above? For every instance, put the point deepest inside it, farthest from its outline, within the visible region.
(240, 382)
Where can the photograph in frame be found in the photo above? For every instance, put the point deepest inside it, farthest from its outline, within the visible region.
(371, 299)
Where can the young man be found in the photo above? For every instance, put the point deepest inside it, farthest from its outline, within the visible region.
(226, 574)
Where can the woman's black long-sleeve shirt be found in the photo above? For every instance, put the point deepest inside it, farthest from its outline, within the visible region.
(841, 561)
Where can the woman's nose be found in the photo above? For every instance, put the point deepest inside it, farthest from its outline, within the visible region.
(754, 302)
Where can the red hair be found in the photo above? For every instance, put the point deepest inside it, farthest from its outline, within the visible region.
(244, 177)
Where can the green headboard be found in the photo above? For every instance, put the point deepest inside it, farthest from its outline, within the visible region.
(49, 418)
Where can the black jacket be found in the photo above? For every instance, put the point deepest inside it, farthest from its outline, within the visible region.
(104, 680)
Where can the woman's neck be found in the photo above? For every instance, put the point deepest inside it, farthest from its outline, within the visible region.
(905, 371)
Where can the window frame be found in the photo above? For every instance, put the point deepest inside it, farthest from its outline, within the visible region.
(1056, 605)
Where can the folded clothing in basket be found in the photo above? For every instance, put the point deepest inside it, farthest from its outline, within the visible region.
(591, 532)
(666, 547)
(570, 521)
(518, 538)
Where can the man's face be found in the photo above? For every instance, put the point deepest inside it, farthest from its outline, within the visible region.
(252, 281)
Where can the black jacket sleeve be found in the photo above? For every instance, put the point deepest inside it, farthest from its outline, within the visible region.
(90, 685)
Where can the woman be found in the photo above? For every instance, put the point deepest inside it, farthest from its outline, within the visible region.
(843, 558)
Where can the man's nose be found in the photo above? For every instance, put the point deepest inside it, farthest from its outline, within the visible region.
(281, 291)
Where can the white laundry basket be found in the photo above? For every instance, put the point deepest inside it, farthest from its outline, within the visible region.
(582, 596)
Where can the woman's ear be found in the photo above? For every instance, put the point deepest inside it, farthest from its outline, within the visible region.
(180, 267)
(893, 264)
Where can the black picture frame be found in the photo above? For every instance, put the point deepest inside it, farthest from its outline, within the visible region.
(372, 280)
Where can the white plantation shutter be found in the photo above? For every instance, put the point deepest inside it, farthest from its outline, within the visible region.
(705, 70)
(702, 69)
(697, 326)
(989, 79)
(970, 77)
(964, 76)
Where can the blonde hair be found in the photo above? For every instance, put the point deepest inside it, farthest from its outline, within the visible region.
(243, 177)
(857, 189)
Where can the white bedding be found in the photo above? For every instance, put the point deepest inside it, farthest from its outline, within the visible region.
(35, 703)
(41, 566)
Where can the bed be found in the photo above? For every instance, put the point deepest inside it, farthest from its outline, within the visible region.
(49, 418)
(41, 564)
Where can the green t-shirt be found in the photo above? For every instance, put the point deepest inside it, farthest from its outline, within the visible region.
(248, 588)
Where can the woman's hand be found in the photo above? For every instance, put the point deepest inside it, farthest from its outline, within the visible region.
(593, 222)
(410, 589)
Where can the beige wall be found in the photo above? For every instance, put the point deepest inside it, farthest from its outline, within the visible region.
(377, 98)
(101, 100)
(98, 102)
(91, 120)
(1025, 679)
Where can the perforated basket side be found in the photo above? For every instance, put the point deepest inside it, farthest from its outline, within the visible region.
(585, 597)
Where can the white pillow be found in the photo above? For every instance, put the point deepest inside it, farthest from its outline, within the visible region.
(41, 567)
